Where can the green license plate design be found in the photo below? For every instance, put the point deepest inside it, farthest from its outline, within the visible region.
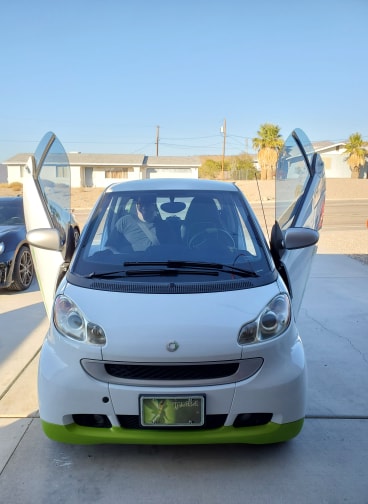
(170, 411)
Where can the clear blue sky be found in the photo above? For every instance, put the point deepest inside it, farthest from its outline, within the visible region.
(102, 74)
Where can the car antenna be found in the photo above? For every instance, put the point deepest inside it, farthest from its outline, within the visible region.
(263, 210)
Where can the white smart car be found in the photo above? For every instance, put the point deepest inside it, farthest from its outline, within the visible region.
(173, 321)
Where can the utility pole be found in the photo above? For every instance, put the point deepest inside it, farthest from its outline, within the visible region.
(157, 138)
(223, 131)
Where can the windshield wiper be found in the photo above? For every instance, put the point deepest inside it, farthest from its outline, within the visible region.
(195, 265)
(150, 272)
(107, 274)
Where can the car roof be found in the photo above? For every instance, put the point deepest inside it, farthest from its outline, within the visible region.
(174, 184)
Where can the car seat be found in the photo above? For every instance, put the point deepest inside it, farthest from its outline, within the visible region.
(202, 215)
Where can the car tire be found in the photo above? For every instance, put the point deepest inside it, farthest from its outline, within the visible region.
(23, 272)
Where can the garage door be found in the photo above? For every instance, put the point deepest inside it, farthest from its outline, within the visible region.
(153, 173)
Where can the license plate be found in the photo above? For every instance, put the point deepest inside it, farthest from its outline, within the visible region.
(172, 411)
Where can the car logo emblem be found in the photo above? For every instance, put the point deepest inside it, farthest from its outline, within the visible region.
(172, 346)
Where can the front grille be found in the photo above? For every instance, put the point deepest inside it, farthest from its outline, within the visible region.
(173, 372)
(3, 273)
(252, 419)
(171, 375)
(91, 420)
(211, 422)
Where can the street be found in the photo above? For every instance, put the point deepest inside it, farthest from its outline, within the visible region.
(340, 215)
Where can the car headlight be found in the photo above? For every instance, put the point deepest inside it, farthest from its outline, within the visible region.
(70, 321)
(271, 322)
(2, 247)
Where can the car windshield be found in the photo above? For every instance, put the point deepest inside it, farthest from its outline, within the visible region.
(182, 232)
(11, 212)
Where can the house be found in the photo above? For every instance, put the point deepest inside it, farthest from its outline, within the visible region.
(334, 158)
(101, 170)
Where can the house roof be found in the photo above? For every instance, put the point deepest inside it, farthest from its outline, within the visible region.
(327, 145)
(18, 159)
(78, 159)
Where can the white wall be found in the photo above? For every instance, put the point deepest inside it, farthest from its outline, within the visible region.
(75, 176)
(15, 174)
(335, 164)
(135, 174)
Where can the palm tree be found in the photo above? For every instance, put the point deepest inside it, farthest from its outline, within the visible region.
(268, 144)
(355, 148)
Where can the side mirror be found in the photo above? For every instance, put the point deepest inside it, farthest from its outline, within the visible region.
(297, 238)
(48, 239)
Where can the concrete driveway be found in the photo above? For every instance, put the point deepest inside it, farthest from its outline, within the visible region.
(326, 463)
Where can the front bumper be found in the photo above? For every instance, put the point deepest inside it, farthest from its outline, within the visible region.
(277, 391)
(263, 434)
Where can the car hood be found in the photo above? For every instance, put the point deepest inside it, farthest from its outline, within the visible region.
(203, 327)
(12, 229)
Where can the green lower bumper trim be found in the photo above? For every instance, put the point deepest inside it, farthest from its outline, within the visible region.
(263, 434)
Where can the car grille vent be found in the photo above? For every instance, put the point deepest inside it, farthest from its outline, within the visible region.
(211, 422)
(172, 373)
(172, 288)
(3, 273)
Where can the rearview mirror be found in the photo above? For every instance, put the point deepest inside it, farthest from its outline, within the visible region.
(48, 239)
(297, 238)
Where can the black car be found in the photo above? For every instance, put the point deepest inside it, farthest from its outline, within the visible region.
(16, 266)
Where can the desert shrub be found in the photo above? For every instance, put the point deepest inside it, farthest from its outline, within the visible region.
(16, 186)
(210, 169)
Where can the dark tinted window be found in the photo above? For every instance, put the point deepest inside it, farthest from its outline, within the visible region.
(213, 227)
(11, 212)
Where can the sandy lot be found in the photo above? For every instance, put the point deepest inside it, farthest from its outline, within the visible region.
(353, 243)
(337, 189)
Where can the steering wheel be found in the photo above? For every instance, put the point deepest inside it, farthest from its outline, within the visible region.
(211, 237)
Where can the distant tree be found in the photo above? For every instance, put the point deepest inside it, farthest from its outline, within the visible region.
(356, 150)
(268, 144)
(210, 169)
(242, 167)
(235, 167)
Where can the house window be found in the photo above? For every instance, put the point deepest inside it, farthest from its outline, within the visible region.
(62, 171)
(116, 173)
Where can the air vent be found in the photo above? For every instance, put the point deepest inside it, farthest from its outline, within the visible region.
(172, 288)
(170, 372)
(172, 375)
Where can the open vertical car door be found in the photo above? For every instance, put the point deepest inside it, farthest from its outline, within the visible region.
(300, 198)
(46, 195)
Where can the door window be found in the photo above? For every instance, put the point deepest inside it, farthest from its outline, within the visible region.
(293, 175)
(53, 178)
